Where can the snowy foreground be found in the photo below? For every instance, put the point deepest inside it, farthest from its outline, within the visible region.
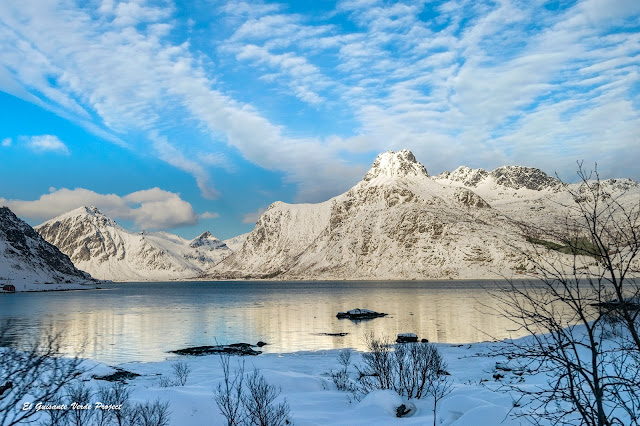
(475, 399)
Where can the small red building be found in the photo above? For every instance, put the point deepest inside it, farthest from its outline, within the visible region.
(9, 287)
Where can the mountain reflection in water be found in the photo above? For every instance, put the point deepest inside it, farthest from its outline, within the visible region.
(142, 321)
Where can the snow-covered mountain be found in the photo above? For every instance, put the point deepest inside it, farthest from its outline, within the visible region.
(397, 223)
(528, 195)
(29, 262)
(97, 244)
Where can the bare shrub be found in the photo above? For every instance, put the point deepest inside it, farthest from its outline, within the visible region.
(152, 414)
(116, 394)
(413, 370)
(377, 371)
(341, 377)
(165, 382)
(79, 393)
(250, 401)
(56, 417)
(410, 369)
(259, 402)
(181, 371)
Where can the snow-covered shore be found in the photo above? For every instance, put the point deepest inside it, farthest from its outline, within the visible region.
(485, 388)
(311, 394)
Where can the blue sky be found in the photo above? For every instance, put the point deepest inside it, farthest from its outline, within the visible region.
(196, 115)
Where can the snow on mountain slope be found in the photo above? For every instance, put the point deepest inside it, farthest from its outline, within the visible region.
(237, 242)
(207, 250)
(30, 263)
(97, 244)
(280, 235)
(528, 195)
(397, 223)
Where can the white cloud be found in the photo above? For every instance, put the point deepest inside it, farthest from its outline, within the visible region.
(149, 209)
(6, 142)
(138, 82)
(483, 83)
(209, 215)
(45, 143)
(253, 216)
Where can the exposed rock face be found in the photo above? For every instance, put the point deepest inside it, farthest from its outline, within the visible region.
(397, 223)
(517, 177)
(207, 240)
(96, 243)
(528, 195)
(26, 258)
(514, 177)
(465, 175)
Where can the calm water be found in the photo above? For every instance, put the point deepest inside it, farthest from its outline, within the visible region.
(142, 321)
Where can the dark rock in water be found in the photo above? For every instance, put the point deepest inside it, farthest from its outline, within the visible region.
(333, 334)
(360, 314)
(232, 349)
(407, 338)
(261, 344)
(120, 375)
(424, 341)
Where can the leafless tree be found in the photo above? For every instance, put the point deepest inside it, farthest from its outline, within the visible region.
(582, 274)
(35, 374)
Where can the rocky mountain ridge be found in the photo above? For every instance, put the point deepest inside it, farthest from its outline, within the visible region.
(29, 262)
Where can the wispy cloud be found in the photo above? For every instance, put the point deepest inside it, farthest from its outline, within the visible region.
(149, 209)
(460, 82)
(209, 215)
(6, 142)
(43, 143)
(467, 83)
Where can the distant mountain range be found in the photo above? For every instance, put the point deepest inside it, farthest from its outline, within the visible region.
(397, 223)
(97, 244)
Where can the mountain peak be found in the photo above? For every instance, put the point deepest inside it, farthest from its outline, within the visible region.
(84, 213)
(395, 164)
(466, 175)
(206, 239)
(204, 235)
(517, 177)
(514, 177)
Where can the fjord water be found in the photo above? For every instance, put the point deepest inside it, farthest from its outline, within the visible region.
(127, 322)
